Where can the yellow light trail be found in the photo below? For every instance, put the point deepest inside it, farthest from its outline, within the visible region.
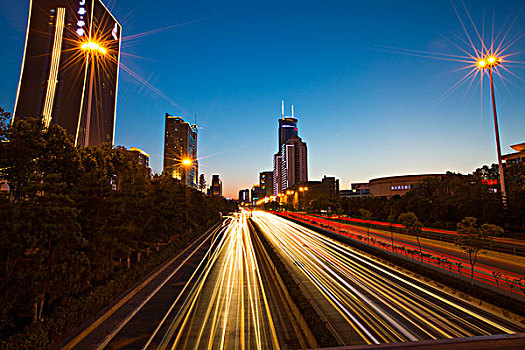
(227, 307)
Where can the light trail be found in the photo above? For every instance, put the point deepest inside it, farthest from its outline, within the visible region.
(227, 307)
(483, 271)
(379, 304)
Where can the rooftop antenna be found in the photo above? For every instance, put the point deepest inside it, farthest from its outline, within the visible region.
(282, 113)
(292, 112)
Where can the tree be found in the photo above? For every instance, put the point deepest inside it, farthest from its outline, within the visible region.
(413, 226)
(366, 214)
(475, 240)
(202, 182)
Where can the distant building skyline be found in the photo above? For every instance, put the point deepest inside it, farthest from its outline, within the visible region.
(180, 145)
(62, 81)
(366, 110)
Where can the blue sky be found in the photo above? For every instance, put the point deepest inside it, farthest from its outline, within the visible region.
(364, 110)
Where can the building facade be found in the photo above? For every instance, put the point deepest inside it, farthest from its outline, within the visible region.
(301, 194)
(70, 69)
(266, 183)
(141, 156)
(290, 162)
(397, 185)
(180, 145)
(216, 186)
(256, 194)
(515, 157)
(244, 197)
(294, 168)
(277, 168)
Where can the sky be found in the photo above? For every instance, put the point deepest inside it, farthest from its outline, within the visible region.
(371, 96)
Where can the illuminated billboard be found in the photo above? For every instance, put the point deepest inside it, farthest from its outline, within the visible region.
(70, 68)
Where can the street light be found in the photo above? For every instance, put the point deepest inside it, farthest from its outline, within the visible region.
(491, 61)
(91, 48)
(186, 163)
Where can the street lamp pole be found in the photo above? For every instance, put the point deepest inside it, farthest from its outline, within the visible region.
(91, 48)
(90, 97)
(498, 146)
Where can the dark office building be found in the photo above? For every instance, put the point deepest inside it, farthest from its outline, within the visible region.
(216, 186)
(256, 194)
(266, 184)
(287, 129)
(244, 196)
(180, 144)
(70, 69)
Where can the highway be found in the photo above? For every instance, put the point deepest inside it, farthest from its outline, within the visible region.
(228, 299)
(508, 265)
(367, 302)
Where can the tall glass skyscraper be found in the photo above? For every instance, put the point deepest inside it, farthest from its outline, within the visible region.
(180, 143)
(70, 68)
(290, 162)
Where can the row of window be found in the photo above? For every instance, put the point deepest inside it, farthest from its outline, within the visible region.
(401, 187)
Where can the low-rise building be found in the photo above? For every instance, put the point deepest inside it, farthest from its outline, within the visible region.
(397, 185)
(515, 157)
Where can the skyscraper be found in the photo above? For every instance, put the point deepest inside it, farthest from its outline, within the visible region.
(266, 184)
(294, 165)
(216, 186)
(287, 127)
(180, 145)
(290, 162)
(244, 196)
(70, 69)
(277, 169)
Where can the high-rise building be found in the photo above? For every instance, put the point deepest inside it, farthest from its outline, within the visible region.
(216, 186)
(290, 162)
(70, 69)
(277, 169)
(294, 165)
(244, 196)
(180, 150)
(256, 194)
(266, 183)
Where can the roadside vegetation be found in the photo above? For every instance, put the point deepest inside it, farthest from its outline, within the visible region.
(78, 227)
(443, 202)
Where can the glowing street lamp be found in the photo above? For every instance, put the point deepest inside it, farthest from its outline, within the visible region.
(91, 48)
(94, 47)
(489, 62)
(186, 163)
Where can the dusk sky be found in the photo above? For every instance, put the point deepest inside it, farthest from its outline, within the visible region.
(365, 109)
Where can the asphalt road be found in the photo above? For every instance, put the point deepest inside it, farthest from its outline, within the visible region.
(223, 297)
(366, 302)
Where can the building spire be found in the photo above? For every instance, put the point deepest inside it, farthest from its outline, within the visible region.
(292, 112)
(282, 109)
